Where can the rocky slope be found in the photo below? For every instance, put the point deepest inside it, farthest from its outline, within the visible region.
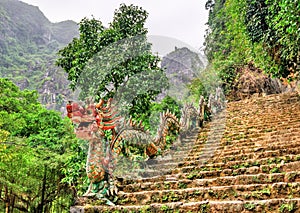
(181, 66)
(28, 46)
(183, 63)
(29, 43)
(254, 167)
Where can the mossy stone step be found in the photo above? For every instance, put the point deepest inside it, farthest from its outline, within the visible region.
(219, 181)
(252, 149)
(242, 192)
(234, 206)
(196, 160)
(245, 160)
(199, 169)
(249, 156)
(202, 170)
(265, 143)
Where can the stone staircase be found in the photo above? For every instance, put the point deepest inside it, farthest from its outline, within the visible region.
(246, 160)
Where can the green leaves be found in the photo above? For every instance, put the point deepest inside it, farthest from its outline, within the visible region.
(255, 19)
(35, 145)
(262, 32)
(103, 60)
(276, 25)
(129, 21)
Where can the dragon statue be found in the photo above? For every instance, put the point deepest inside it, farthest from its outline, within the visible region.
(106, 130)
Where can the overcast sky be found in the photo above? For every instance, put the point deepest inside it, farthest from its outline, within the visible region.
(183, 20)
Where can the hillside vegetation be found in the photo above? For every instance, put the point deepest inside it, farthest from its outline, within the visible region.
(262, 33)
(255, 166)
(39, 154)
(28, 46)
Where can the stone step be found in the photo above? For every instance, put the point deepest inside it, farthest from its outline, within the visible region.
(185, 159)
(268, 168)
(249, 131)
(202, 172)
(246, 160)
(200, 169)
(219, 181)
(243, 138)
(266, 148)
(242, 192)
(246, 147)
(228, 144)
(233, 206)
(249, 156)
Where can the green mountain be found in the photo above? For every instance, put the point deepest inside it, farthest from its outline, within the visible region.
(182, 66)
(28, 46)
(29, 43)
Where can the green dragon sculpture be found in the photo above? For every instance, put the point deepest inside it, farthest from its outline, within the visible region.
(96, 121)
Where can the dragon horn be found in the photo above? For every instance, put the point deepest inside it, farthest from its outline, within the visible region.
(140, 124)
(129, 121)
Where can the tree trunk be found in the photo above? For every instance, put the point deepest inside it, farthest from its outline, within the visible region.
(6, 200)
(7, 207)
(13, 203)
(41, 206)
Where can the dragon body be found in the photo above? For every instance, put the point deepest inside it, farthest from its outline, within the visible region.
(95, 122)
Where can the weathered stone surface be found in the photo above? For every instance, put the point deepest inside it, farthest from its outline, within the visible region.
(255, 167)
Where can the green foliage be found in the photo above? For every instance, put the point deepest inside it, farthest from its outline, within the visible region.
(262, 32)
(255, 19)
(288, 207)
(197, 88)
(249, 206)
(204, 208)
(217, 26)
(167, 103)
(38, 150)
(104, 61)
(283, 19)
(151, 117)
(28, 46)
(205, 84)
(227, 45)
(275, 24)
(165, 208)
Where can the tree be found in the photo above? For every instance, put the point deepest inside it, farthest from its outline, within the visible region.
(275, 25)
(215, 34)
(227, 46)
(37, 149)
(103, 60)
(283, 44)
(260, 32)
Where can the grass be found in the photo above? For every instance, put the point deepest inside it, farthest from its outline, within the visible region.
(275, 170)
(249, 206)
(192, 175)
(288, 207)
(167, 185)
(182, 185)
(265, 191)
(145, 209)
(255, 179)
(204, 208)
(291, 176)
(165, 198)
(164, 208)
